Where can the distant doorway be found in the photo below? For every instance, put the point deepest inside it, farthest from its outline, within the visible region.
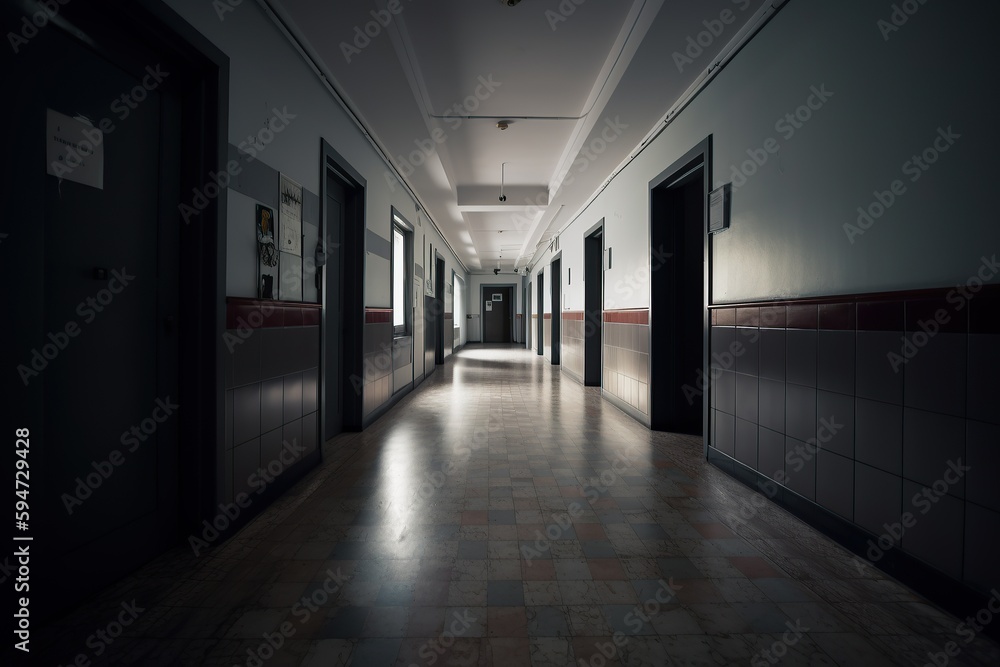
(593, 279)
(497, 309)
(540, 330)
(529, 316)
(439, 311)
(556, 279)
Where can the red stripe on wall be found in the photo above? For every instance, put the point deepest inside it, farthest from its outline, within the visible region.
(265, 314)
(635, 316)
(573, 315)
(378, 315)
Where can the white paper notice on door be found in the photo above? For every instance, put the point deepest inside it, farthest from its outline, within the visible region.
(489, 306)
(74, 150)
(290, 222)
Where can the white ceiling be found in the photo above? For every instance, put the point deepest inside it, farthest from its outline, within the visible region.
(560, 78)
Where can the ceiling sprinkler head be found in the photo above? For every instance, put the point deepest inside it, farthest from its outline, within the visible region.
(503, 125)
(510, 3)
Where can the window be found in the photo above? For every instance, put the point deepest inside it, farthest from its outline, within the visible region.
(401, 311)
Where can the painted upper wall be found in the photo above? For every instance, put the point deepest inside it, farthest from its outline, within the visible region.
(879, 96)
(268, 74)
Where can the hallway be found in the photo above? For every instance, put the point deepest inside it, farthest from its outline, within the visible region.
(504, 515)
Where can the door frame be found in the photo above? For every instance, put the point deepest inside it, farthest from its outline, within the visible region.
(205, 308)
(702, 152)
(482, 298)
(201, 312)
(588, 236)
(112, 30)
(353, 257)
(555, 296)
(540, 331)
(440, 266)
(528, 313)
(457, 280)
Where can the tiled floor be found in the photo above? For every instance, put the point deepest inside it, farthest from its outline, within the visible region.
(504, 515)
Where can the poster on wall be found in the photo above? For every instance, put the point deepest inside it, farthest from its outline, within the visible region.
(74, 150)
(267, 253)
(265, 225)
(291, 216)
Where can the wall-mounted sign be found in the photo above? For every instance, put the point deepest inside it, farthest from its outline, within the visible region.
(267, 253)
(489, 306)
(74, 150)
(291, 216)
(718, 208)
(498, 297)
